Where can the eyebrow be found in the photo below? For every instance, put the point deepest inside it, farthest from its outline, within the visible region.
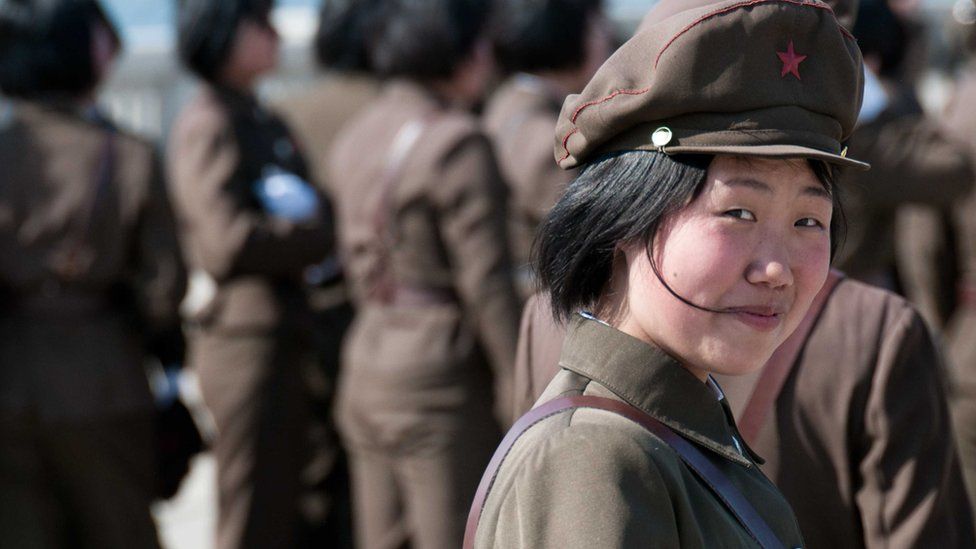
(810, 190)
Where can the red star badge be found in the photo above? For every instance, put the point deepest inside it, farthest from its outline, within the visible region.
(791, 62)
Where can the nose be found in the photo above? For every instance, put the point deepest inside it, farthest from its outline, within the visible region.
(771, 268)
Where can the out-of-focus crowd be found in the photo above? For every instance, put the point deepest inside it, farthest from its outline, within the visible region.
(357, 259)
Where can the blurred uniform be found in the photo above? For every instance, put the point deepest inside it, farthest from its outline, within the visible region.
(254, 336)
(961, 119)
(317, 117)
(90, 273)
(859, 439)
(913, 161)
(520, 118)
(426, 253)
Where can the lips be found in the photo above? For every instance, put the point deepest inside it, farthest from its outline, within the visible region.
(762, 318)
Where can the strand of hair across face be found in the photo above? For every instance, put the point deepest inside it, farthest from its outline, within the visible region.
(671, 291)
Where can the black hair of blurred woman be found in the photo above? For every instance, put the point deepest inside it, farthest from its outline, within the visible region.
(542, 35)
(340, 42)
(881, 33)
(206, 30)
(425, 40)
(46, 47)
(620, 199)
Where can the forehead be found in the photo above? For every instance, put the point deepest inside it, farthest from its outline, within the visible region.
(770, 175)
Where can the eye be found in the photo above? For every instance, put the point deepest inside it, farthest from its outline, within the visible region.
(740, 213)
(809, 222)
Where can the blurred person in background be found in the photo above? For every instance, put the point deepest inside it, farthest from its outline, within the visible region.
(252, 224)
(317, 116)
(961, 328)
(421, 209)
(913, 159)
(549, 49)
(91, 277)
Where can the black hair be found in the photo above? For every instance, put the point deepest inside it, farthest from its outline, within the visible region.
(46, 46)
(537, 35)
(426, 39)
(880, 32)
(622, 198)
(340, 42)
(206, 30)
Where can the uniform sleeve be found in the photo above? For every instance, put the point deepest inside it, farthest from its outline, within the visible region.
(472, 222)
(227, 237)
(912, 493)
(160, 278)
(582, 488)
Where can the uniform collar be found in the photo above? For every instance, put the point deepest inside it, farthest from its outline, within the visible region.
(407, 92)
(646, 377)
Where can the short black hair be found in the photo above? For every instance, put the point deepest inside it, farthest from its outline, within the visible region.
(340, 42)
(46, 46)
(206, 30)
(426, 39)
(879, 31)
(623, 198)
(537, 35)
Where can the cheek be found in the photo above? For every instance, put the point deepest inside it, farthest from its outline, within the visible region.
(700, 261)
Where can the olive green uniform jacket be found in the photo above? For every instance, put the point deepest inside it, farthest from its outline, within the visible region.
(859, 439)
(90, 273)
(415, 402)
(521, 118)
(253, 338)
(961, 329)
(590, 478)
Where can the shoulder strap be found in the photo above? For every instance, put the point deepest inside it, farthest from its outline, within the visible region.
(720, 485)
(777, 369)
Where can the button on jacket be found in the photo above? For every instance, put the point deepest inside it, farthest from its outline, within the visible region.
(590, 478)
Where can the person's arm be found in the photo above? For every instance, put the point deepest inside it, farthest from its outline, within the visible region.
(911, 492)
(583, 487)
(229, 237)
(472, 221)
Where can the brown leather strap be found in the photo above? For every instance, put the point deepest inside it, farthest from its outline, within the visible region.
(778, 367)
(698, 462)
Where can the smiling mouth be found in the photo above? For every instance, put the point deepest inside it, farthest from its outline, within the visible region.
(764, 319)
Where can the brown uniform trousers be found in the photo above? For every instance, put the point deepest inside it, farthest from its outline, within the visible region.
(317, 116)
(913, 161)
(961, 329)
(253, 339)
(859, 440)
(520, 118)
(90, 271)
(436, 317)
(590, 478)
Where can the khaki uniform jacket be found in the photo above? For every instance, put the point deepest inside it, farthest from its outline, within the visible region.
(961, 119)
(590, 478)
(90, 268)
(521, 118)
(913, 161)
(220, 145)
(859, 439)
(446, 214)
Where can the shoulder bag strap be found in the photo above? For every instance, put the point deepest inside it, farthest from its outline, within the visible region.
(403, 144)
(720, 485)
(779, 366)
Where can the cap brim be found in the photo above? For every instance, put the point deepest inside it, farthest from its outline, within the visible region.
(770, 151)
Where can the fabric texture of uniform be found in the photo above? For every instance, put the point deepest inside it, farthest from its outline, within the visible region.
(90, 269)
(591, 478)
(415, 401)
(254, 335)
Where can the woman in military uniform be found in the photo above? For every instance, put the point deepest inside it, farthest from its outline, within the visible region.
(252, 225)
(421, 212)
(693, 242)
(91, 278)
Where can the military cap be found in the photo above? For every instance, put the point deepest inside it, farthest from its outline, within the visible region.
(771, 78)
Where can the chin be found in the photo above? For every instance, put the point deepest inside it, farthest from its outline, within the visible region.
(739, 359)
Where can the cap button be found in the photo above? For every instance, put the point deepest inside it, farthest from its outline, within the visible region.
(661, 137)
